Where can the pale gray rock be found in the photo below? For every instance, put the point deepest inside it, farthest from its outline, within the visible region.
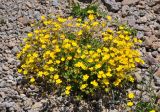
(129, 2)
(138, 76)
(37, 15)
(145, 98)
(154, 54)
(112, 5)
(55, 3)
(37, 106)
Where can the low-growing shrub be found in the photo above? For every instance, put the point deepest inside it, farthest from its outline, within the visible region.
(79, 57)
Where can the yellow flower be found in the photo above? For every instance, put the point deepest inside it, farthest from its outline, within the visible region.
(35, 55)
(131, 79)
(19, 70)
(56, 76)
(45, 73)
(50, 62)
(83, 86)
(51, 69)
(36, 31)
(106, 82)
(61, 19)
(130, 103)
(79, 32)
(67, 92)
(94, 83)
(108, 74)
(68, 88)
(121, 27)
(131, 95)
(30, 34)
(58, 62)
(69, 57)
(90, 11)
(40, 73)
(43, 17)
(62, 59)
(91, 17)
(90, 60)
(85, 77)
(32, 80)
(25, 72)
(97, 66)
(43, 46)
(107, 89)
(58, 81)
(152, 111)
(109, 18)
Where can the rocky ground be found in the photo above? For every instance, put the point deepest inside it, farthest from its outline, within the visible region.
(15, 19)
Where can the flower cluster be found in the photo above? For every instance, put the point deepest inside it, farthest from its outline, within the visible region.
(79, 56)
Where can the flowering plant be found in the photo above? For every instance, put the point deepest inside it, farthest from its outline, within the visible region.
(78, 56)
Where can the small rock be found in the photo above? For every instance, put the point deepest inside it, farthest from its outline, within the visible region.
(159, 50)
(138, 77)
(2, 94)
(28, 4)
(28, 102)
(156, 9)
(10, 60)
(37, 106)
(129, 2)
(112, 5)
(37, 15)
(23, 96)
(157, 73)
(55, 3)
(142, 28)
(158, 19)
(142, 20)
(114, 110)
(140, 34)
(158, 94)
(131, 20)
(15, 49)
(6, 68)
(2, 84)
(148, 41)
(140, 87)
(11, 44)
(138, 93)
(145, 98)
(24, 20)
(8, 104)
(154, 54)
(149, 59)
(125, 10)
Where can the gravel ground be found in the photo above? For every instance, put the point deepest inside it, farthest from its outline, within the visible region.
(15, 17)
